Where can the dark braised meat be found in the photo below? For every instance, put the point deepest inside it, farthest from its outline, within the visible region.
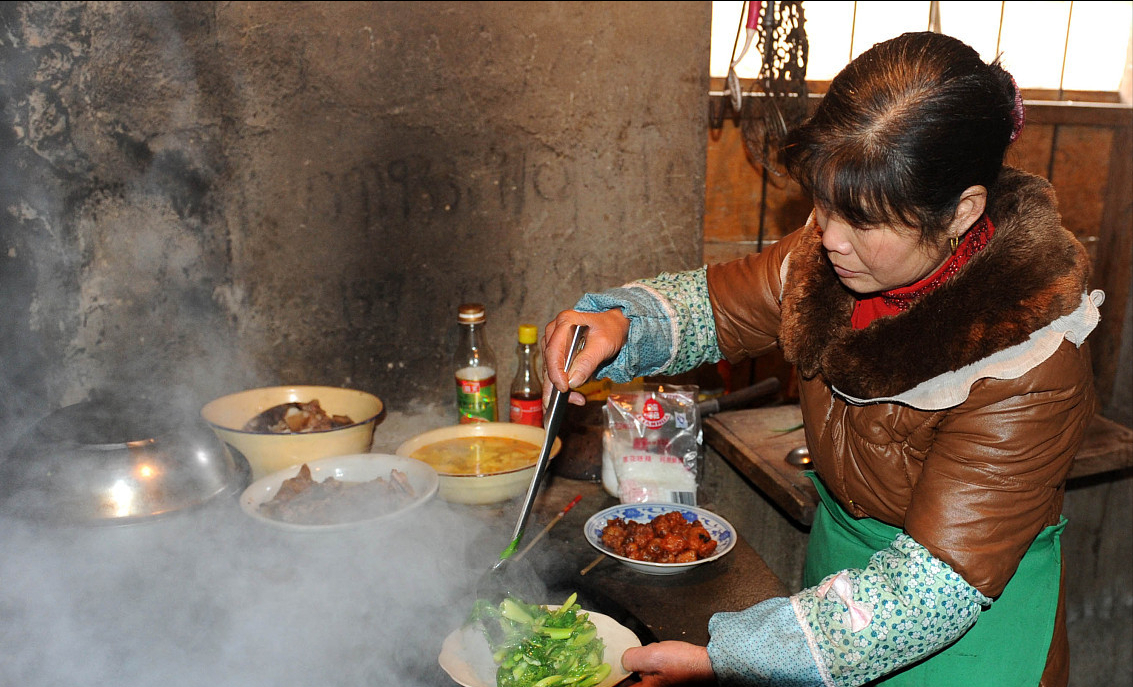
(668, 538)
(289, 418)
(291, 488)
(303, 501)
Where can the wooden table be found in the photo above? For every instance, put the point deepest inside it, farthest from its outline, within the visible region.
(756, 442)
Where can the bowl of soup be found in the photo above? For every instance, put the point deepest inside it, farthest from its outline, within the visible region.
(481, 462)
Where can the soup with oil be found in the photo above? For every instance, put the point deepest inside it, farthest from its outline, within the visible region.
(478, 455)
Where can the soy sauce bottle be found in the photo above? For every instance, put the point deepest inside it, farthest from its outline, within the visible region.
(526, 404)
(475, 366)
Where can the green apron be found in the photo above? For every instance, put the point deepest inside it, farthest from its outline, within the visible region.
(1008, 645)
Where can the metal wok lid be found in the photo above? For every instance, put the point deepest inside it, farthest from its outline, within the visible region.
(109, 461)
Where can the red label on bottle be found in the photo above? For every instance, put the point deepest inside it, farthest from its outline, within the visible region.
(470, 386)
(527, 412)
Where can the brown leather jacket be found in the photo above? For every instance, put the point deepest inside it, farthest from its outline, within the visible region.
(956, 420)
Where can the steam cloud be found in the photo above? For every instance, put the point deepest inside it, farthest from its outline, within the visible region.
(212, 597)
(126, 286)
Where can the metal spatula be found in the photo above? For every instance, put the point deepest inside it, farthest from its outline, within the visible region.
(558, 403)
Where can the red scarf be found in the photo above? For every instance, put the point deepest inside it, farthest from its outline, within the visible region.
(888, 303)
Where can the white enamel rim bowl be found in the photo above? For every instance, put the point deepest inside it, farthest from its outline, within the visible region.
(362, 467)
(719, 529)
(483, 489)
(268, 453)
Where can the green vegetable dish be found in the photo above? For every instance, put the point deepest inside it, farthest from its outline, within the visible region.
(538, 647)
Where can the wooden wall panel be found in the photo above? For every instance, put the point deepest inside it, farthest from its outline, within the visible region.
(734, 200)
(1113, 273)
(734, 191)
(1031, 151)
(1079, 172)
(732, 188)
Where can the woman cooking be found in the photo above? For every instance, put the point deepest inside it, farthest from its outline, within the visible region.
(935, 310)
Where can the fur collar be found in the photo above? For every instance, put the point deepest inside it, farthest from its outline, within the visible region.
(1030, 273)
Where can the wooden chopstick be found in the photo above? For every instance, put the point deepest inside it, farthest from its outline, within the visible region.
(591, 565)
(554, 521)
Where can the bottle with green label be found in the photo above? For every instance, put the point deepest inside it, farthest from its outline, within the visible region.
(475, 366)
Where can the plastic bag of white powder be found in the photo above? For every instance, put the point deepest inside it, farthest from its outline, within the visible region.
(652, 445)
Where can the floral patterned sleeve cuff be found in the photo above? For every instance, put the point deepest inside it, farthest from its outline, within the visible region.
(904, 605)
(854, 627)
(649, 346)
(762, 645)
(672, 329)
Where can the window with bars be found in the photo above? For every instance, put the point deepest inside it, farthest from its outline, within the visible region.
(1055, 50)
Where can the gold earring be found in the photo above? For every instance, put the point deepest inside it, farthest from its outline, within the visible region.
(954, 243)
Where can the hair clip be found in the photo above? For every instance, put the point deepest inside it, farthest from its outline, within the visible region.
(1017, 115)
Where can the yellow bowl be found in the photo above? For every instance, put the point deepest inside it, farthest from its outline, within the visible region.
(268, 453)
(486, 488)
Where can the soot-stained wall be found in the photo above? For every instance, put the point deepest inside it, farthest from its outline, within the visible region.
(203, 197)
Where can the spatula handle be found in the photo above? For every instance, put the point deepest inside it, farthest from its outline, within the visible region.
(556, 406)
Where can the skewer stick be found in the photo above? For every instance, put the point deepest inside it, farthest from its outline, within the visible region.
(591, 565)
(554, 521)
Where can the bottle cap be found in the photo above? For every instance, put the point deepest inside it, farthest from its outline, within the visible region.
(528, 334)
(471, 313)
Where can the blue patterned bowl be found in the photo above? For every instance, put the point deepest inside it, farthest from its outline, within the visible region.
(719, 528)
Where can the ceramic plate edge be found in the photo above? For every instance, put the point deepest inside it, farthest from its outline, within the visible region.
(263, 489)
(593, 536)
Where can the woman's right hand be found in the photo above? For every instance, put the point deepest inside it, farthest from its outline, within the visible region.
(670, 663)
(607, 334)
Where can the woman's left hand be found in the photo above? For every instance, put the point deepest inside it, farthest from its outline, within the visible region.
(670, 663)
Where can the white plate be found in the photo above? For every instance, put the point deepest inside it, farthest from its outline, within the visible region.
(718, 528)
(465, 655)
(360, 467)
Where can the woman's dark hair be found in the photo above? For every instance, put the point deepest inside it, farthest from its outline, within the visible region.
(903, 130)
